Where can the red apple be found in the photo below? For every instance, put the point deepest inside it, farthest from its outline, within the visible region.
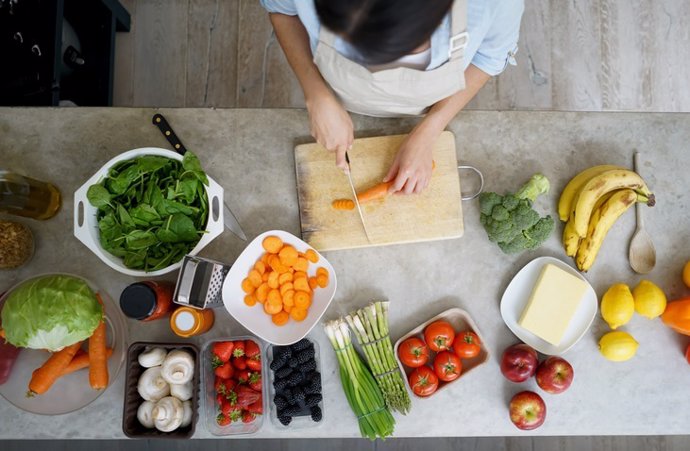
(527, 410)
(519, 362)
(554, 375)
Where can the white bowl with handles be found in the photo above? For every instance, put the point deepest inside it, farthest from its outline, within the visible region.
(86, 224)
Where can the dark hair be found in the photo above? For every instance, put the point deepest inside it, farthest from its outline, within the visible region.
(383, 30)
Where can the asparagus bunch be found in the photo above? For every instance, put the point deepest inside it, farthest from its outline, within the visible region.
(370, 325)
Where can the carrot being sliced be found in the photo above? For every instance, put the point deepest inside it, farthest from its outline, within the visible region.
(379, 191)
(45, 376)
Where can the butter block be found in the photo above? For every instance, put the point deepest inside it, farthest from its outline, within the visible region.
(552, 304)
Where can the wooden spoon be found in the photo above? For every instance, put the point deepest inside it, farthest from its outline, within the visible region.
(642, 255)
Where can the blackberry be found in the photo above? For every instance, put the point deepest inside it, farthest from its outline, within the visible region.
(284, 419)
(283, 373)
(309, 390)
(295, 378)
(316, 413)
(308, 367)
(291, 410)
(282, 352)
(293, 363)
(313, 400)
(279, 384)
(280, 402)
(314, 385)
(278, 363)
(298, 395)
(287, 394)
(302, 345)
(304, 356)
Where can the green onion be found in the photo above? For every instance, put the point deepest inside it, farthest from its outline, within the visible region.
(361, 391)
(370, 325)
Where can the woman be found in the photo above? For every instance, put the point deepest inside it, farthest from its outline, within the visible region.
(393, 58)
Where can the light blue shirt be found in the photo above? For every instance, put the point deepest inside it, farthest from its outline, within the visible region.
(493, 27)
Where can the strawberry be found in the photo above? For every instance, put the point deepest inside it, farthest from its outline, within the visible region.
(224, 371)
(256, 407)
(239, 349)
(239, 362)
(220, 398)
(231, 410)
(246, 396)
(243, 376)
(251, 349)
(218, 383)
(223, 420)
(223, 350)
(254, 363)
(255, 382)
(247, 417)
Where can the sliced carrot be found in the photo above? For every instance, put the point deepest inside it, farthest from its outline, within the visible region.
(322, 280)
(299, 275)
(264, 258)
(281, 318)
(273, 280)
(302, 284)
(274, 297)
(255, 277)
(272, 309)
(286, 287)
(343, 204)
(302, 299)
(302, 264)
(250, 300)
(321, 270)
(379, 191)
(276, 265)
(298, 314)
(288, 255)
(311, 255)
(262, 292)
(264, 276)
(272, 244)
(247, 286)
(285, 278)
(287, 308)
(260, 267)
(289, 298)
(313, 283)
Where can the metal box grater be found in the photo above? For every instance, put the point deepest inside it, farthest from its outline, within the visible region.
(200, 283)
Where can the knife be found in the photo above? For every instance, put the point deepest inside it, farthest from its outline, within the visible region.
(229, 218)
(354, 193)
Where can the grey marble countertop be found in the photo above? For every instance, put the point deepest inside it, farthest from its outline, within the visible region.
(250, 153)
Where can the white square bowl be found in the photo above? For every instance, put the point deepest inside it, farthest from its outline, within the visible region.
(254, 318)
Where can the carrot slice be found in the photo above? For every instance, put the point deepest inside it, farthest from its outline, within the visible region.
(321, 270)
(274, 297)
(299, 275)
(272, 244)
(255, 277)
(273, 280)
(248, 286)
(288, 255)
(322, 280)
(281, 318)
(311, 255)
(298, 314)
(276, 265)
(302, 264)
(285, 278)
(289, 298)
(302, 299)
(272, 309)
(262, 292)
(260, 266)
(287, 308)
(250, 300)
(343, 204)
(286, 287)
(302, 284)
(313, 283)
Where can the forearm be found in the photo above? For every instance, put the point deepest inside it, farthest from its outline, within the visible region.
(443, 111)
(294, 41)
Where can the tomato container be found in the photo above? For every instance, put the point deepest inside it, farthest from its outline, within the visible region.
(130, 424)
(208, 392)
(461, 321)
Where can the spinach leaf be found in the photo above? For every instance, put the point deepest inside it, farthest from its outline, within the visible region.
(178, 228)
(144, 214)
(190, 162)
(140, 239)
(98, 196)
(187, 188)
(125, 218)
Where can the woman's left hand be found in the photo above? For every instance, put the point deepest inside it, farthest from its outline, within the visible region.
(411, 169)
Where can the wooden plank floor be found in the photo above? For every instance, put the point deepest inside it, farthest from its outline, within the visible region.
(574, 55)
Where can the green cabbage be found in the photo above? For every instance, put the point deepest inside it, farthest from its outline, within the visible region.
(50, 312)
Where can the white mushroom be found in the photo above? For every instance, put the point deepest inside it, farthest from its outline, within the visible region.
(152, 386)
(178, 367)
(183, 392)
(152, 357)
(145, 415)
(187, 416)
(167, 414)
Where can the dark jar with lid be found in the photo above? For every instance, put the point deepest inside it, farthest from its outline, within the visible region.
(147, 301)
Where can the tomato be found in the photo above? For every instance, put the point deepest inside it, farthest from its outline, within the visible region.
(439, 336)
(423, 381)
(467, 345)
(447, 366)
(413, 352)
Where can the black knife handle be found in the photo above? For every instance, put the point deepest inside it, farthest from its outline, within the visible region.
(165, 128)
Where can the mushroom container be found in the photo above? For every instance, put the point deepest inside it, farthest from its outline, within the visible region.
(130, 424)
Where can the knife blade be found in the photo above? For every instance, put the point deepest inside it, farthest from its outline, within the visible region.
(229, 218)
(354, 193)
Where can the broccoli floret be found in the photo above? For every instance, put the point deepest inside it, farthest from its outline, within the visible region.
(511, 222)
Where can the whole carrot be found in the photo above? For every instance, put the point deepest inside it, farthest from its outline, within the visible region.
(98, 360)
(81, 361)
(45, 376)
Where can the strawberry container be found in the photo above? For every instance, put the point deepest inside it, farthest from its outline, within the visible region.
(461, 321)
(210, 406)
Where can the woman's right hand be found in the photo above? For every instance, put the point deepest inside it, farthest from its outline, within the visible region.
(331, 126)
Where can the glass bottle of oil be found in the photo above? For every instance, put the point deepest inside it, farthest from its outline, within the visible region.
(24, 196)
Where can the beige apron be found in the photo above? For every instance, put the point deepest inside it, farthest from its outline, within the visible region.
(394, 92)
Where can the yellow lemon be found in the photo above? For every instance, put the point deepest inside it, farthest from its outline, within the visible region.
(686, 274)
(617, 305)
(618, 346)
(650, 301)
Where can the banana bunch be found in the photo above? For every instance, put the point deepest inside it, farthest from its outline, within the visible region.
(592, 202)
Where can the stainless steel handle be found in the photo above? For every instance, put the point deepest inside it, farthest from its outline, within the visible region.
(481, 181)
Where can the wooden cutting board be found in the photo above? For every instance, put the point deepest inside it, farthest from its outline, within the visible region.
(434, 214)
